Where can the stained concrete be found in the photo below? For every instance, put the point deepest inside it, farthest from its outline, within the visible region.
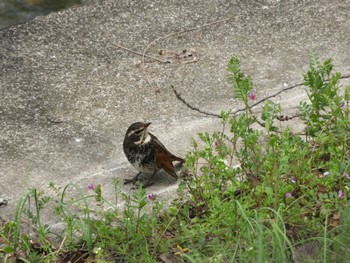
(68, 93)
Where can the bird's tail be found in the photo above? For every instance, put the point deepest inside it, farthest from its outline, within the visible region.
(177, 159)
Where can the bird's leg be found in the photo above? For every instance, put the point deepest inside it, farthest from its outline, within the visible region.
(133, 180)
(149, 180)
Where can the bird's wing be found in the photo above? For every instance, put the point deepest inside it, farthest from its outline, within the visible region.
(161, 149)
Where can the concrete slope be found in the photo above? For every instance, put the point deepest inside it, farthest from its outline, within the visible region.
(68, 92)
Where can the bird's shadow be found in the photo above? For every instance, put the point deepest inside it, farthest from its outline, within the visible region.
(161, 178)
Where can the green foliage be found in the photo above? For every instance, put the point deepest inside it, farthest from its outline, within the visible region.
(253, 192)
(270, 113)
(240, 83)
(280, 175)
(326, 103)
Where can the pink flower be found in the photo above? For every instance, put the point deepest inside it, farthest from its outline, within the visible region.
(341, 195)
(151, 197)
(252, 95)
(288, 195)
(346, 175)
(91, 187)
(217, 143)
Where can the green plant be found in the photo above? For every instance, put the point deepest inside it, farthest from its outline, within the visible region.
(253, 192)
(277, 170)
(26, 236)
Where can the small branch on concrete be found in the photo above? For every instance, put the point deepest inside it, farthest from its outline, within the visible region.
(166, 36)
(269, 97)
(283, 118)
(178, 96)
(181, 32)
(140, 54)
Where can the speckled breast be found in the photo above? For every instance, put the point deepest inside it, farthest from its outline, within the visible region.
(143, 158)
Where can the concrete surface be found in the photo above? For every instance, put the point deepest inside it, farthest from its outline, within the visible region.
(68, 94)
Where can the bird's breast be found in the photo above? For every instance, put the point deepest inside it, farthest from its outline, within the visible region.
(142, 157)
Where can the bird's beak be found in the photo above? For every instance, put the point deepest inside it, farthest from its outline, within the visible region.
(147, 124)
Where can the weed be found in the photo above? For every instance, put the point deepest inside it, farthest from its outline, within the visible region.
(253, 192)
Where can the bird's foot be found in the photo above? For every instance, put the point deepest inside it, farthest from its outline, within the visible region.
(133, 180)
(128, 181)
(138, 184)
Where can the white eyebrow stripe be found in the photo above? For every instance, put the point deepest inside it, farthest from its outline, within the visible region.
(133, 131)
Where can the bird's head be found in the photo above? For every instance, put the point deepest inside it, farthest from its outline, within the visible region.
(137, 133)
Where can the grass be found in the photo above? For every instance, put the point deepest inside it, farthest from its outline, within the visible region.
(286, 201)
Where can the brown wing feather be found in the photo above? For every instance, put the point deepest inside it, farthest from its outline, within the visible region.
(161, 148)
(164, 157)
(166, 164)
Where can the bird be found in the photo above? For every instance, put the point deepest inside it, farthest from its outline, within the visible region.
(146, 153)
